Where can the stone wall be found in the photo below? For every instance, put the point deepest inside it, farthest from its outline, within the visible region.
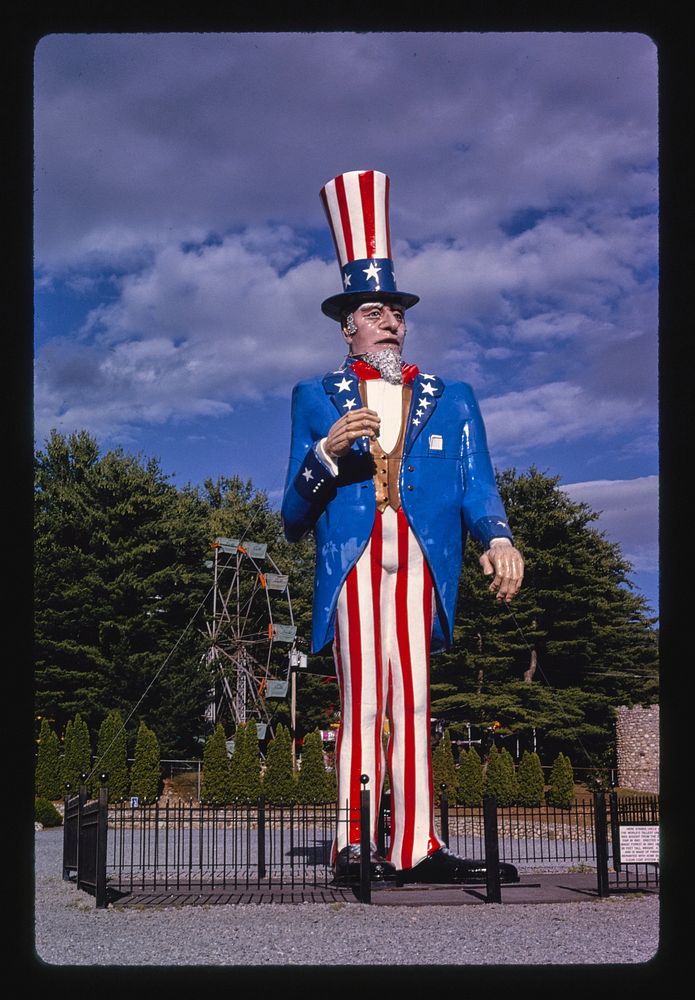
(637, 744)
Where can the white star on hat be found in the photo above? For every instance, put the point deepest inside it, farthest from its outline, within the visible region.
(372, 271)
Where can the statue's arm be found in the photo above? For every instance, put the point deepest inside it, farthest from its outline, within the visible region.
(483, 510)
(310, 483)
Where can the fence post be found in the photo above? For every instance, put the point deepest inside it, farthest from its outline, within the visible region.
(492, 851)
(365, 837)
(444, 810)
(69, 852)
(381, 828)
(601, 842)
(261, 837)
(81, 801)
(615, 829)
(102, 828)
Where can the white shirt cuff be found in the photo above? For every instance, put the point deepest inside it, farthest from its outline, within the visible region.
(325, 457)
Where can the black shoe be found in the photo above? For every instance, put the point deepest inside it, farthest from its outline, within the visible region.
(347, 866)
(442, 867)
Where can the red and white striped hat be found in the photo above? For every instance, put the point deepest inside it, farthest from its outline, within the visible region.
(357, 209)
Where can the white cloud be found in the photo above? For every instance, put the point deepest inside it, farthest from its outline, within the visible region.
(546, 414)
(629, 515)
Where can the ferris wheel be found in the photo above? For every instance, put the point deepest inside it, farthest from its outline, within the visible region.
(251, 633)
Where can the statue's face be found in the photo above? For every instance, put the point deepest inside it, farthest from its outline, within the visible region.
(379, 325)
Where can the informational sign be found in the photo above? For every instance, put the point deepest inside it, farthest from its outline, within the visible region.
(134, 801)
(328, 734)
(639, 844)
(276, 581)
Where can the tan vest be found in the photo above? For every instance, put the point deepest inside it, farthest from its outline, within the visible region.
(388, 466)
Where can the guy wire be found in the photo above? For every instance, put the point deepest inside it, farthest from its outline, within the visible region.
(170, 653)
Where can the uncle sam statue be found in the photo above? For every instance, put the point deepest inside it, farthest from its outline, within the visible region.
(389, 468)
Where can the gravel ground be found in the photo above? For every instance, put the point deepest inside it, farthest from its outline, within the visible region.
(70, 931)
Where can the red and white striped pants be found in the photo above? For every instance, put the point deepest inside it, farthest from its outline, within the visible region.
(381, 649)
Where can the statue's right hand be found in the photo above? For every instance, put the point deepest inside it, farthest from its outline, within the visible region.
(346, 430)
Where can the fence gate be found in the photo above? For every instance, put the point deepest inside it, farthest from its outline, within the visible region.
(627, 836)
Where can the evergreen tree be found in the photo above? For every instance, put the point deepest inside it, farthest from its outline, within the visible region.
(530, 780)
(48, 771)
(312, 784)
(112, 757)
(217, 775)
(444, 769)
(279, 785)
(561, 782)
(500, 777)
(145, 774)
(576, 641)
(246, 764)
(77, 753)
(470, 775)
(118, 571)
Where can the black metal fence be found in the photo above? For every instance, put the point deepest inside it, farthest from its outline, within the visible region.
(121, 848)
(85, 832)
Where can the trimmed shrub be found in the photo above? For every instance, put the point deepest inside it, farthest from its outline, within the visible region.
(48, 771)
(279, 784)
(77, 753)
(112, 757)
(500, 778)
(444, 769)
(145, 773)
(217, 776)
(561, 782)
(46, 813)
(312, 783)
(470, 778)
(530, 780)
(246, 764)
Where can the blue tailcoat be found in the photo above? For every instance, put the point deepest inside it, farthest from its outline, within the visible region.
(447, 487)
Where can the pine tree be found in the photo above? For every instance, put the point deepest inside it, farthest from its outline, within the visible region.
(118, 567)
(500, 777)
(77, 753)
(470, 775)
(530, 780)
(145, 773)
(48, 771)
(112, 757)
(217, 775)
(561, 782)
(312, 784)
(444, 769)
(576, 625)
(279, 785)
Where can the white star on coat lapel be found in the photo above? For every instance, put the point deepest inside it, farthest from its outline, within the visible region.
(426, 391)
(343, 388)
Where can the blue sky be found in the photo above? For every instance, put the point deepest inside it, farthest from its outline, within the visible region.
(181, 251)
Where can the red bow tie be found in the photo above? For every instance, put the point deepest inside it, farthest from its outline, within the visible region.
(365, 371)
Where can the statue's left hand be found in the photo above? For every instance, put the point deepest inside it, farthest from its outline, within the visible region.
(507, 564)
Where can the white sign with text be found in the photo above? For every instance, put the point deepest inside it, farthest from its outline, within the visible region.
(639, 844)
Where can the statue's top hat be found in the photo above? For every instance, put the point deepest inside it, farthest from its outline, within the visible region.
(357, 208)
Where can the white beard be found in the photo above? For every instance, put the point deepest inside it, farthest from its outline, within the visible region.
(387, 363)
